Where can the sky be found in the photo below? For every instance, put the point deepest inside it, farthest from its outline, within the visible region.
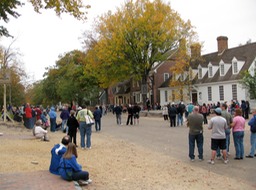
(41, 38)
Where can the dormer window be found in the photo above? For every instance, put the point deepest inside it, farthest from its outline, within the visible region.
(200, 72)
(181, 77)
(190, 74)
(235, 67)
(222, 70)
(210, 71)
(166, 76)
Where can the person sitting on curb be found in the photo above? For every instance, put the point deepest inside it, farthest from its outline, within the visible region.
(39, 132)
(70, 170)
(57, 152)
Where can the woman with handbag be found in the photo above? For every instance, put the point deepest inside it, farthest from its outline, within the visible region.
(70, 170)
(85, 119)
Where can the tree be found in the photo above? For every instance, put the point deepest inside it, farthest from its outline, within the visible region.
(249, 82)
(67, 82)
(131, 40)
(12, 69)
(74, 7)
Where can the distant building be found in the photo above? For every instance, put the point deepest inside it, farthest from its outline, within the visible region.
(215, 77)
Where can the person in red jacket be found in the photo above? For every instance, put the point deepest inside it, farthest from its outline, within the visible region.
(28, 115)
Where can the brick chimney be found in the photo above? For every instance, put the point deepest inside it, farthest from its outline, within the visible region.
(222, 43)
(195, 50)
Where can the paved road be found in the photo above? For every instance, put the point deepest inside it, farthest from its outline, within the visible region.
(156, 135)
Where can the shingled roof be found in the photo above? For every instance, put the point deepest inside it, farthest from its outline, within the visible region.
(246, 53)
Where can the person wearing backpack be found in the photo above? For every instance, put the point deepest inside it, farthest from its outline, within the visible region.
(252, 124)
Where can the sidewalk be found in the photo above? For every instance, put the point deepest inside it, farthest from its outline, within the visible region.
(38, 180)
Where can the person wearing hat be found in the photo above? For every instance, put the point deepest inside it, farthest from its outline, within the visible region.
(218, 125)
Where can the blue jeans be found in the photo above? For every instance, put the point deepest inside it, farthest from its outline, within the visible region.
(239, 143)
(63, 124)
(180, 119)
(199, 139)
(97, 125)
(253, 144)
(53, 124)
(118, 119)
(31, 123)
(227, 132)
(85, 130)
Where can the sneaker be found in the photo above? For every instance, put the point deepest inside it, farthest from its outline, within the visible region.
(228, 153)
(83, 148)
(226, 161)
(218, 157)
(192, 160)
(83, 182)
(210, 162)
(249, 156)
(201, 159)
(89, 181)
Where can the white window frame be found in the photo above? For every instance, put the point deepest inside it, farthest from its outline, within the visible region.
(222, 69)
(234, 91)
(221, 92)
(210, 71)
(235, 67)
(209, 89)
(190, 73)
(166, 96)
(200, 72)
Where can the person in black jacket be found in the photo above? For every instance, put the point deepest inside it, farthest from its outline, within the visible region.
(72, 124)
(130, 115)
(172, 111)
(97, 114)
(118, 111)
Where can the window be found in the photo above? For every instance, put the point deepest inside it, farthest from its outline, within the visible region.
(234, 91)
(222, 71)
(235, 68)
(221, 92)
(190, 74)
(182, 77)
(137, 97)
(210, 71)
(181, 95)
(173, 95)
(209, 93)
(166, 96)
(166, 76)
(200, 74)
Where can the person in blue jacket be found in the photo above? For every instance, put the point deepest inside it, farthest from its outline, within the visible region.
(69, 169)
(53, 116)
(57, 152)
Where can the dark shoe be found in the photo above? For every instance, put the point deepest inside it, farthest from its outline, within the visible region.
(254, 154)
(236, 158)
(249, 156)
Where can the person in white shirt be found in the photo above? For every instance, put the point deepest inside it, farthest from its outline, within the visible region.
(39, 132)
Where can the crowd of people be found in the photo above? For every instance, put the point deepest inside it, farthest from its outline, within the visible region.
(225, 121)
(222, 124)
